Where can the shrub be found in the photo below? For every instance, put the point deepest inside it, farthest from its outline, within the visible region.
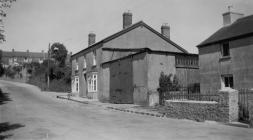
(166, 83)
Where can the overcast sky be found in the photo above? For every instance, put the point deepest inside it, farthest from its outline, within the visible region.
(33, 24)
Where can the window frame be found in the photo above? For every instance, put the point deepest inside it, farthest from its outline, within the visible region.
(228, 80)
(227, 52)
(94, 60)
(92, 82)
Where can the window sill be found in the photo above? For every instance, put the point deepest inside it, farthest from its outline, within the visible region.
(225, 58)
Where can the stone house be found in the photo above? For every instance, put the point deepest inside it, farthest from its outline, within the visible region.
(125, 67)
(225, 57)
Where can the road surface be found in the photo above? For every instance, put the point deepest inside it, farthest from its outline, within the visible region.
(26, 113)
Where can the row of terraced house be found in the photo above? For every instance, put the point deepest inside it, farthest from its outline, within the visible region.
(125, 67)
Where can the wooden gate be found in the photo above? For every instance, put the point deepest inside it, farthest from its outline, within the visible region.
(243, 101)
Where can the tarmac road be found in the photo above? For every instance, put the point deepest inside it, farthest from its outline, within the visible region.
(26, 113)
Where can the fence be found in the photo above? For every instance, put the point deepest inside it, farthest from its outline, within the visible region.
(187, 93)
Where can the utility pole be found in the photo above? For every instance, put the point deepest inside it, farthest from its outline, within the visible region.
(48, 65)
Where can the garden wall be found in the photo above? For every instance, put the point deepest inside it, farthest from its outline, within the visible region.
(224, 110)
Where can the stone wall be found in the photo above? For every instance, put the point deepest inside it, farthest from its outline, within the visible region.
(225, 110)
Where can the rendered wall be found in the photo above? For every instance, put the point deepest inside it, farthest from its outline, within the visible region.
(157, 64)
(141, 37)
(239, 64)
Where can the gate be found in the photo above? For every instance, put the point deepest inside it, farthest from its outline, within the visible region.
(243, 101)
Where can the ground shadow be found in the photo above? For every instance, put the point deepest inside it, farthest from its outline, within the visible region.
(4, 127)
(4, 97)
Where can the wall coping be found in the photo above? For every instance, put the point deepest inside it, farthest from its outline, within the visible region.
(192, 101)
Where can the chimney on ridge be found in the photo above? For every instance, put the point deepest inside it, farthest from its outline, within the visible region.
(165, 30)
(230, 17)
(127, 19)
(91, 38)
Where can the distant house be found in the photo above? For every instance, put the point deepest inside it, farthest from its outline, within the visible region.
(125, 67)
(226, 56)
(15, 58)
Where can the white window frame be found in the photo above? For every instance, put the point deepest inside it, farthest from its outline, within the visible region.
(93, 82)
(77, 67)
(227, 77)
(94, 61)
(76, 83)
(84, 63)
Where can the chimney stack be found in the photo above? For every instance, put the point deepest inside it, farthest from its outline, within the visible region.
(127, 19)
(91, 38)
(12, 50)
(230, 17)
(165, 30)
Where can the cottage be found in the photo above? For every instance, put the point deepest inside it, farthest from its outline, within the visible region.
(226, 56)
(125, 67)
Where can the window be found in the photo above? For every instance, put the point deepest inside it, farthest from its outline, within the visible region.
(228, 81)
(92, 82)
(225, 49)
(77, 67)
(77, 84)
(84, 63)
(94, 59)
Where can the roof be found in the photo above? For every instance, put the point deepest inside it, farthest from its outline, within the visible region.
(133, 26)
(240, 28)
(143, 50)
(24, 54)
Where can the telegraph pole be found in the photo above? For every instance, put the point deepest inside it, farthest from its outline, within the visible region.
(48, 65)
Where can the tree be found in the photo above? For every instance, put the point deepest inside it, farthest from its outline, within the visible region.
(4, 4)
(59, 53)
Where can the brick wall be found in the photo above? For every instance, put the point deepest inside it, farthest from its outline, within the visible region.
(225, 110)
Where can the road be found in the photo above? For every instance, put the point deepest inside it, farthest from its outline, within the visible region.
(26, 113)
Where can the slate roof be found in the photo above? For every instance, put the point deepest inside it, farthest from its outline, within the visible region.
(133, 26)
(240, 28)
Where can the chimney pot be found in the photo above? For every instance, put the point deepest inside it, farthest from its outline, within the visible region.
(165, 30)
(91, 38)
(127, 19)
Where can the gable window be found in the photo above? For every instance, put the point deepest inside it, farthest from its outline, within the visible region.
(225, 49)
(94, 61)
(227, 81)
(92, 82)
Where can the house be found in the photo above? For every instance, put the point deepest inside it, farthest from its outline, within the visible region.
(225, 57)
(15, 58)
(125, 67)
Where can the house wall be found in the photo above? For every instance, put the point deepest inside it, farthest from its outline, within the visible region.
(141, 37)
(156, 65)
(140, 87)
(187, 76)
(239, 64)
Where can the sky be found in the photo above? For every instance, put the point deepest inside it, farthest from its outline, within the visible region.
(33, 24)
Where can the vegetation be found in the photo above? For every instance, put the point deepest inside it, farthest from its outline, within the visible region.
(4, 5)
(168, 83)
(58, 72)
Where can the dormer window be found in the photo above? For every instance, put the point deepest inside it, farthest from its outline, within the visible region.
(94, 61)
(225, 50)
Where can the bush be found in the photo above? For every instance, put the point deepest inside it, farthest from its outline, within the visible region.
(166, 83)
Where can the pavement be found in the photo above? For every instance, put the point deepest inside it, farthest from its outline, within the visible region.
(26, 113)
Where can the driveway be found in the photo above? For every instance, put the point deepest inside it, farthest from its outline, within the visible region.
(26, 113)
